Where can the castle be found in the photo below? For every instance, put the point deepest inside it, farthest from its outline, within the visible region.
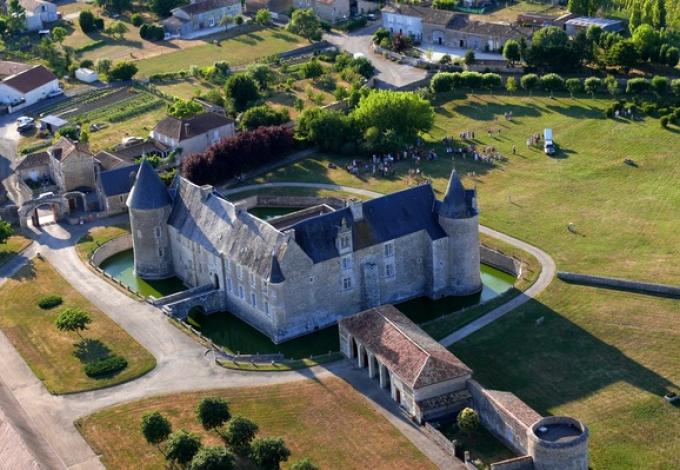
(304, 271)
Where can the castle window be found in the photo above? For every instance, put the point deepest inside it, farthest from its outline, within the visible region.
(252, 279)
(229, 285)
(227, 264)
(389, 249)
(344, 242)
(266, 307)
(241, 293)
(239, 272)
(160, 252)
(346, 283)
(265, 285)
(346, 263)
(253, 299)
(311, 279)
(389, 270)
(157, 232)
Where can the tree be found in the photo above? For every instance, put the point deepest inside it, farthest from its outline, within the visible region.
(86, 21)
(637, 86)
(155, 428)
(468, 420)
(552, 83)
(163, 7)
(529, 82)
(117, 28)
(635, 19)
(122, 71)
(226, 20)
(511, 85)
(6, 231)
(73, 320)
(442, 82)
(612, 85)
(552, 49)
(238, 20)
(137, 20)
(181, 446)
(182, 109)
(592, 85)
(305, 23)
(472, 80)
(470, 57)
(241, 91)
(394, 116)
(672, 56)
(511, 51)
(658, 14)
(401, 42)
(239, 434)
(623, 53)
(329, 129)
(119, 6)
(212, 458)
(15, 20)
(675, 88)
(264, 115)
(103, 65)
(379, 35)
(574, 86)
(84, 136)
(269, 452)
(263, 16)
(304, 464)
(213, 412)
(3, 26)
(491, 81)
(660, 85)
(262, 74)
(648, 42)
(311, 69)
(59, 34)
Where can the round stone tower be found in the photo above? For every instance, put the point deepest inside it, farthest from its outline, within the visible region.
(558, 443)
(149, 205)
(459, 218)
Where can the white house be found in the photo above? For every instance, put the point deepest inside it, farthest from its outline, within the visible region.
(39, 13)
(27, 87)
(195, 134)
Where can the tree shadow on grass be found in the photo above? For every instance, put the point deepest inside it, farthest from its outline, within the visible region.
(577, 112)
(26, 273)
(491, 111)
(90, 350)
(250, 39)
(284, 36)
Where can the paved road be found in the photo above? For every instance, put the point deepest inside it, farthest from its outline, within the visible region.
(548, 268)
(182, 365)
(390, 74)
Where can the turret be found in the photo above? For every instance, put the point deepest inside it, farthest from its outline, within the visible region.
(149, 206)
(458, 216)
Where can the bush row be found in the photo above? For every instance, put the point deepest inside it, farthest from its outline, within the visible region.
(106, 367)
(89, 47)
(126, 114)
(49, 301)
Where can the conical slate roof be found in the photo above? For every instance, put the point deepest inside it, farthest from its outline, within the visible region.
(148, 192)
(454, 204)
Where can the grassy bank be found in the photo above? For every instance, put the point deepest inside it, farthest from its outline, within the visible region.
(14, 245)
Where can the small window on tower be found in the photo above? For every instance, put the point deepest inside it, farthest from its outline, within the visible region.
(157, 232)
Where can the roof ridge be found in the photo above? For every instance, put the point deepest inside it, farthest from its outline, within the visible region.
(407, 336)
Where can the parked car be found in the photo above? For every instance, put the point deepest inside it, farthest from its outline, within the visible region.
(25, 123)
(128, 141)
(55, 93)
(548, 145)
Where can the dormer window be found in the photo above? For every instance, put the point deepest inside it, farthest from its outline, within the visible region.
(344, 242)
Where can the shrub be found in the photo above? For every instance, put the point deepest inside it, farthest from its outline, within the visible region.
(311, 69)
(106, 367)
(664, 121)
(152, 32)
(86, 20)
(87, 64)
(49, 301)
(445, 4)
(122, 71)
(468, 420)
(442, 82)
(264, 115)
(326, 82)
(137, 19)
(99, 23)
(91, 46)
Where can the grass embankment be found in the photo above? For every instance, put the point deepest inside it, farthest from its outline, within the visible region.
(236, 51)
(14, 245)
(325, 420)
(603, 356)
(96, 237)
(52, 355)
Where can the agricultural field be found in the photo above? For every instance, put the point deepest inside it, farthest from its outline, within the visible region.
(318, 419)
(619, 347)
(58, 358)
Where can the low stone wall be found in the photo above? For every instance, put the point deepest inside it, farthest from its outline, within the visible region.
(440, 439)
(518, 463)
(110, 248)
(498, 260)
(622, 284)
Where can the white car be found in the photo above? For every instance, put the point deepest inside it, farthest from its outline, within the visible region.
(25, 123)
(128, 141)
(55, 93)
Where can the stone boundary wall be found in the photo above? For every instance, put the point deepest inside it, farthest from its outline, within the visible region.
(110, 248)
(178, 296)
(440, 439)
(518, 463)
(618, 283)
(498, 260)
(507, 421)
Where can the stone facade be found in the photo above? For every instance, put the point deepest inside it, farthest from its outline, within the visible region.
(200, 18)
(327, 10)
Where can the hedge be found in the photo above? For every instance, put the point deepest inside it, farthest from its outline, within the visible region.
(49, 301)
(106, 367)
(88, 47)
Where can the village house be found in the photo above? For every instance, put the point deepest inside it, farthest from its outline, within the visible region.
(194, 134)
(446, 28)
(200, 18)
(328, 10)
(275, 7)
(26, 85)
(39, 13)
(113, 188)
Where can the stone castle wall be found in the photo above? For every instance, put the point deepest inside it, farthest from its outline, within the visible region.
(110, 248)
(153, 256)
(464, 277)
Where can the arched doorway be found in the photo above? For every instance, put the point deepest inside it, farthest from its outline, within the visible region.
(77, 201)
(355, 349)
(42, 211)
(216, 281)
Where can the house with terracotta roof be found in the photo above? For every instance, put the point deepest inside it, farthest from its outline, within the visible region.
(425, 378)
(194, 134)
(27, 86)
(200, 18)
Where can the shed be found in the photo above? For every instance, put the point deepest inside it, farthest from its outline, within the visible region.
(86, 75)
(52, 123)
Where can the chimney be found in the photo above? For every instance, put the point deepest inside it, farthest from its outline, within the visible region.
(357, 209)
(206, 190)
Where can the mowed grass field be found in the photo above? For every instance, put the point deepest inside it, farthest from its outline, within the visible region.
(50, 353)
(12, 246)
(325, 420)
(236, 51)
(603, 356)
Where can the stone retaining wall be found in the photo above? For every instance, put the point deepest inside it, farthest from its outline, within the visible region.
(498, 260)
(440, 439)
(518, 463)
(110, 248)
(623, 284)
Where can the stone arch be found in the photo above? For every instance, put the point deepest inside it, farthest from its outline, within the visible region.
(72, 197)
(58, 204)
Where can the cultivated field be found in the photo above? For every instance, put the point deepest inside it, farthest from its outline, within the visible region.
(50, 353)
(325, 420)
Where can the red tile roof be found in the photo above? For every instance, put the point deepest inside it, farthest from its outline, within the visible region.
(30, 79)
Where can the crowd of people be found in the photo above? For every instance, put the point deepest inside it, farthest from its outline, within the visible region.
(383, 164)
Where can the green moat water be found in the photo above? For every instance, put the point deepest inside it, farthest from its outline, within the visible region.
(120, 267)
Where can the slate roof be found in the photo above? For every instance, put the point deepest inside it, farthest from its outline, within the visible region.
(457, 202)
(384, 218)
(205, 6)
(33, 160)
(203, 216)
(118, 181)
(31, 79)
(182, 129)
(148, 192)
(409, 352)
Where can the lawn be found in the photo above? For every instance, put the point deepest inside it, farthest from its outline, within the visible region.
(236, 51)
(51, 354)
(510, 13)
(98, 236)
(185, 89)
(14, 244)
(325, 420)
(603, 356)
